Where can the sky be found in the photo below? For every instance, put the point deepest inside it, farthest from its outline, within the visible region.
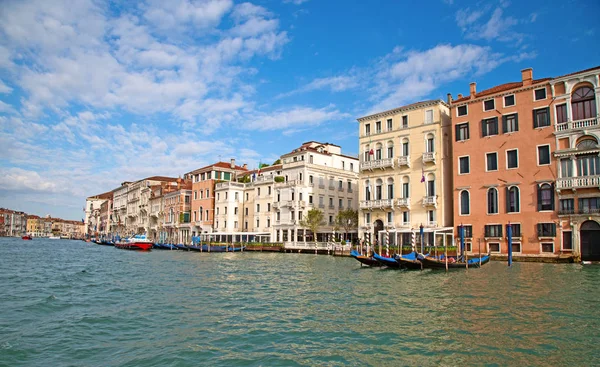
(94, 93)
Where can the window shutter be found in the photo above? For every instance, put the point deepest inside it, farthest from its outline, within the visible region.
(553, 229)
(539, 229)
(500, 230)
(516, 122)
(456, 133)
(483, 128)
(552, 197)
(496, 124)
(468, 134)
(548, 116)
(534, 120)
(539, 198)
(504, 125)
(507, 200)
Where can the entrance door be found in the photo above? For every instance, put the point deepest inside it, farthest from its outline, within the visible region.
(590, 241)
(377, 227)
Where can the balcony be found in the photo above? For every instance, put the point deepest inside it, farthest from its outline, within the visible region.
(429, 201)
(404, 161)
(578, 182)
(380, 163)
(276, 205)
(376, 204)
(578, 124)
(403, 202)
(340, 188)
(429, 157)
(582, 211)
(431, 223)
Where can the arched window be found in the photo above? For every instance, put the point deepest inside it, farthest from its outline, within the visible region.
(545, 196)
(512, 200)
(379, 151)
(378, 189)
(430, 185)
(583, 103)
(430, 143)
(367, 153)
(405, 147)
(465, 207)
(200, 212)
(367, 190)
(390, 188)
(390, 149)
(589, 164)
(492, 201)
(405, 187)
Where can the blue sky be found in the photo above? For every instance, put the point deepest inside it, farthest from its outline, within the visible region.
(93, 93)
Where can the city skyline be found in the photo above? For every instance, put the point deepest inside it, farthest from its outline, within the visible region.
(112, 92)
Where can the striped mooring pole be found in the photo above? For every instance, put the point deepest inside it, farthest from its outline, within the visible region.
(387, 243)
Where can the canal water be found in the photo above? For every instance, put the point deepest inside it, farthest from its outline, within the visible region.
(71, 303)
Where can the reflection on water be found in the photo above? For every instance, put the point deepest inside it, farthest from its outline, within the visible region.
(72, 303)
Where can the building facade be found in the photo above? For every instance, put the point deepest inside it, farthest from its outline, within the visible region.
(575, 109)
(177, 213)
(406, 175)
(504, 168)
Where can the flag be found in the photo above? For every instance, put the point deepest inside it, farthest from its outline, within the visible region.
(259, 164)
(371, 152)
(422, 174)
(82, 221)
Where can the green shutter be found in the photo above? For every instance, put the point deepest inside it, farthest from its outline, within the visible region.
(552, 188)
(504, 125)
(516, 122)
(534, 120)
(548, 116)
(539, 197)
(507, 200)
(483, 128)
(456, 132)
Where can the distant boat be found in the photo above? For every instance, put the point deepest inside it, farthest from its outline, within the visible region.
(137, 242)
(26, 237)
(54, 238)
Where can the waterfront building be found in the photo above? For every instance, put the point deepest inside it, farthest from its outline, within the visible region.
(138, 197)
(119, 217)
(177, 213)
(271, 205)
(106, 209)
(92, 212)
(504, 167)
(157, 213)
(203, 188)
(406, 174)
(575, 104)
(35, 226)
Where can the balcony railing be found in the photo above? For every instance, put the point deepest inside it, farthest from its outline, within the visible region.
(404, 161)
(379, 163)
(431, 223)
(578, 182)
(403, 202)
(429, 200)
(429, 157)
(578, 124)
(377, 204)
(341, 189)
(276, 205)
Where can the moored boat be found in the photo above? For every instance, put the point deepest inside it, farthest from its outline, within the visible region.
(364, 260)
(432, 263)
(54, 238)
(26, 237)
(409, 261)
(387, 261)
(137, 242)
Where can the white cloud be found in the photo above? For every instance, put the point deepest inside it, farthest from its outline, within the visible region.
(176, 14)
(18, 179)
(4, 88)
(498, 27)
(292, 118)
(295, 2)
(338, 83)
(6, 108)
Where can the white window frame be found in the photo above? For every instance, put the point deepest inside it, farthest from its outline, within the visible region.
(504, 100)
(483, 104)
(486, 162)
(464, 156)
(466, 114)
(537, 153)
(541, 99)
(494, 243)
(519, 223)
(562, 243)
(520, 247)
(425, 117)
(547, 242)
(501, 122)
(487, 203)
(506, 156)
(519, 203)
(468, 129)
(460, 213)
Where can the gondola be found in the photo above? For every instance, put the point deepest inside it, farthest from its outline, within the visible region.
(387, 261)
(409, 261)
(431, 263)
(366, 260)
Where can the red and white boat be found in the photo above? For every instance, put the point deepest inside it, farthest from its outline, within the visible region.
(137, 242)
(26, 237)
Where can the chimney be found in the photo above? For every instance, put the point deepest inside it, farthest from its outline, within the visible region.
(245, 166)
(527, 76)
(460, 95)
(179, 181)
(449, 95)
(473, 89)
(232, 163)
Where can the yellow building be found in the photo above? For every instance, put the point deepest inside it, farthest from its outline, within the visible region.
(35, 226)
(405, 179)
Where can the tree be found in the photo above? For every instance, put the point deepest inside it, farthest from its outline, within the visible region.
(346, 219)
(263, 165)
(312, 221)
(277, 162)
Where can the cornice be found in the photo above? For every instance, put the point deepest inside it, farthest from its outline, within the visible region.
(501, 94)
(395, 111)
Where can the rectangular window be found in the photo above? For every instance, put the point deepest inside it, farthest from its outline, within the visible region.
(461, 132)
(516, 230)
(310, 199)
(268, 207)
(547, 247)
(510, 123)
(351, 166)
(378, 127)
(405, 191)
(541, 117)
(512, 159)
(341, 203)
(546, 229)
(516, 247)
(390, 217)
(494, 247)
(566, 206)
(349, 203)
(493, 230)
(368, 129)
(589, 205)
(489, 127)
(468, 230)
(235, 210)
(389, 125)
(491, 160)
(405, 218)
(566, 168)
(509, 100)
(543, 155)
(488, 105)
(404, 122)
(540, 94)
(567, 243)
(561, 114)
(258, 208)
(429, 116)
(463, 165)
(461, 110)
(368, 218)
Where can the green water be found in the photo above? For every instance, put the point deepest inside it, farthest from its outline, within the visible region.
(70, 303)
